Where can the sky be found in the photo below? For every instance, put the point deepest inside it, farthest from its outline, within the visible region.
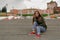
(22, 4)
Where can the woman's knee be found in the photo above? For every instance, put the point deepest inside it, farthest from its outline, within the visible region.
(38, 27)
(35, 24)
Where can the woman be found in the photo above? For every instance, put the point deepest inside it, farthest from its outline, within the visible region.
(38, 24)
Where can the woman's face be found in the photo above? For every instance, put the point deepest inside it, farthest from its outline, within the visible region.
(36, 14)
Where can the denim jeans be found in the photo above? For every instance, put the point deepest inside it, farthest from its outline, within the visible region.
(38, 28)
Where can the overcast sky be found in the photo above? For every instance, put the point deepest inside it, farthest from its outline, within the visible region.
(21, 4)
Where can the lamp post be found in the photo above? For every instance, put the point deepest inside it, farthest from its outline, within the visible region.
(21, 13)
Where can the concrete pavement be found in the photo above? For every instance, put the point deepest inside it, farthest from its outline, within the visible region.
(19, 29)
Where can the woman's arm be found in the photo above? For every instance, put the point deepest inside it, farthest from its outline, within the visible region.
(33, 19)
(44, 24)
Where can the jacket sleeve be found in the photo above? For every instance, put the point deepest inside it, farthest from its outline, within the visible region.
(44, 24)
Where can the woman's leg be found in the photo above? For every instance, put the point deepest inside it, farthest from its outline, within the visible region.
(34, 26)
(39, 29)
(42, 29)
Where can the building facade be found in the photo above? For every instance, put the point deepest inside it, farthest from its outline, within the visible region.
(52, 7)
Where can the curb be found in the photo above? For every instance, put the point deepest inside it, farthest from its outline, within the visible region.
(19, 17)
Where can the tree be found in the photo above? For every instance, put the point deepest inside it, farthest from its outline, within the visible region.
(4, 9)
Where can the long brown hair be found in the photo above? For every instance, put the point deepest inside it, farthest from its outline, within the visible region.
(39, 15)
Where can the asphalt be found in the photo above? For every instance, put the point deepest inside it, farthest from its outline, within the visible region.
(18, 29)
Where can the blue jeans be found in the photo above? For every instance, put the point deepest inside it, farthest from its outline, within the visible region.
(38, 28)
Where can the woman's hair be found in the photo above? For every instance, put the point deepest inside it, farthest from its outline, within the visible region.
(38, 13)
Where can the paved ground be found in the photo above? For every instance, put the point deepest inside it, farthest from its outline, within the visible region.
(19, 29)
